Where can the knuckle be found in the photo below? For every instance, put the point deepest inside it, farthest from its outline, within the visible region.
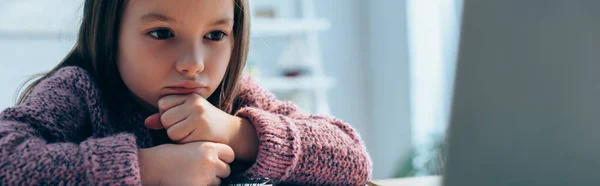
(198, 106)
(163, 119)
(212, 161)
(162, 103)
(174, 135)
(208, 147)
(198, 121)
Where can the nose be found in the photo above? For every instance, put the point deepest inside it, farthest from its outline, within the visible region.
(192, 62)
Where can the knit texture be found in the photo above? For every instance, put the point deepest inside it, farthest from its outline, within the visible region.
(64, 134)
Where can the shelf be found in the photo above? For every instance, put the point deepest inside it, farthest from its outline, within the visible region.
(295, 83)
(270, 27)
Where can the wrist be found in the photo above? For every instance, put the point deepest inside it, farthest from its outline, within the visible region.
(145, 172)
(244, 141)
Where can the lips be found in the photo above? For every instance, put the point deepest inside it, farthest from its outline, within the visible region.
(181, 90)
(186, 87)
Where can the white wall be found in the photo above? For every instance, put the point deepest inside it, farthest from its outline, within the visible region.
(23, 57)
(388, 67)
(343, 59)
(24, 50)
(366, 51)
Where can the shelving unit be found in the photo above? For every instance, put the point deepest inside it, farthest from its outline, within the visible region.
(296, 84)
(307, 90)
(264, 27)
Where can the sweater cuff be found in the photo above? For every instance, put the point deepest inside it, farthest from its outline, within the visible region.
(278, 146)
(113, 160)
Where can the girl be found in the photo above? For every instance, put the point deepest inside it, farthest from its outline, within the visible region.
(152, 93)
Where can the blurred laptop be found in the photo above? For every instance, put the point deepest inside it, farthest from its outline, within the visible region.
(526, 106)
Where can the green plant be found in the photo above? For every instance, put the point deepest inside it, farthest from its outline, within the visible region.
(433, 165)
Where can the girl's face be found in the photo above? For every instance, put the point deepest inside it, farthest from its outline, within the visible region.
(175, 46)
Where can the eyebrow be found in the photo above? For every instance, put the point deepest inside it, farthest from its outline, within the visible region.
(153, 16)
(223, 21)
(156, 17)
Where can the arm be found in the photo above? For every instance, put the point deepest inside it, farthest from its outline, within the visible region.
(295, 147)
(43, 140)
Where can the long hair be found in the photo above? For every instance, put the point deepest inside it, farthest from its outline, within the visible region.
(97, 46)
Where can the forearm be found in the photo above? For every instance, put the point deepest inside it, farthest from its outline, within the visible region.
(299, 148)
(313, 150)
(29, 160)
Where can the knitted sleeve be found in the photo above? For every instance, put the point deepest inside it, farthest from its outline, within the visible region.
(299, 148)
(45, 140)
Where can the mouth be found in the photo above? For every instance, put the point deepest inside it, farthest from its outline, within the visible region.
(186, 87)
(183, 90)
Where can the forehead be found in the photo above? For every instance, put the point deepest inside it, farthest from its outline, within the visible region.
(181, 11)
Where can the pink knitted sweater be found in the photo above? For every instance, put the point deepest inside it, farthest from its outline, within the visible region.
(64, 134)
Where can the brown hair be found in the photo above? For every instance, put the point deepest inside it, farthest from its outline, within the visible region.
(97, 45)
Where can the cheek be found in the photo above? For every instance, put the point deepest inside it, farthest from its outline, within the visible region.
(141, 69)
(219, 61)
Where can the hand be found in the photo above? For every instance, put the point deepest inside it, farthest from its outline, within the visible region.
(190, 117)
(198, 163)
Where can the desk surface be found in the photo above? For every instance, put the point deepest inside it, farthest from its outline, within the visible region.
(414, 181)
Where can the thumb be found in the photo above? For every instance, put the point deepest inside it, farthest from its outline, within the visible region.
(153, 121)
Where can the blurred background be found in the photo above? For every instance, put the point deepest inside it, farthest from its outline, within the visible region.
(384, 66)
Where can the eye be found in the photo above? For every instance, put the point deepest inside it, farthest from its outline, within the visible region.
(161, 34)
(215, 35)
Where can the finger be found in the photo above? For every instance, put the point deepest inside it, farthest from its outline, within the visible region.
(222, 169)
(181, 131)
(191, 132)
(170, 101)
(153, 121)
(174, 115)
(225, 152)
(215, 182)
